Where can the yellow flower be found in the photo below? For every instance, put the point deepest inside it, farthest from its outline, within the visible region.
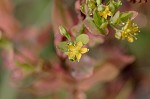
(75, 51)
(105, 13)
(128, 31)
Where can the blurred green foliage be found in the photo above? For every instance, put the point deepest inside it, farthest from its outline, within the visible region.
(38, 13)
(33, 12)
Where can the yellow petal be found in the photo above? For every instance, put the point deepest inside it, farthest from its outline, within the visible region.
(71, 55)
(84, 50)
(79, 44)
(105, 16)
(128, 24)
(130, 39)
(78, 56)
(107, 8)
(71, 47)
(109, 13)
(105, 13)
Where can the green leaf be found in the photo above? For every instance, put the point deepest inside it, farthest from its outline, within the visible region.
(118, 34)
(64, 32)
(117, 4)
(104, 25)
(125, 16)
(134, 14)
(84, 9)
(92, 27)
(97, 19)
(114, 6)
(100, 23)
(83, 38)
(100, 8)
(98, 2)
(92, 4)
(63, 46)
(115, 18)
(78, 29)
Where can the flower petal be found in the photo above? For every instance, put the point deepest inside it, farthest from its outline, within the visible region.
(79, 45)
(105, 16)
(109, 13)
(71, 55)
(105, 13)
(71, 47)
(107, 8)
(78, 56)
(84, 50)
(130, 39)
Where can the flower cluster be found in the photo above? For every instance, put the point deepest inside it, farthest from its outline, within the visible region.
(100, 15)
(103, 15)
(128, 31)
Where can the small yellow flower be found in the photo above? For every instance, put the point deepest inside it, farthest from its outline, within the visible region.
(75, 51)
(105, 13)
(128, 31)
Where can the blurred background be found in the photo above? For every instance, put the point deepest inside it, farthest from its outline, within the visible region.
(27, 39)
